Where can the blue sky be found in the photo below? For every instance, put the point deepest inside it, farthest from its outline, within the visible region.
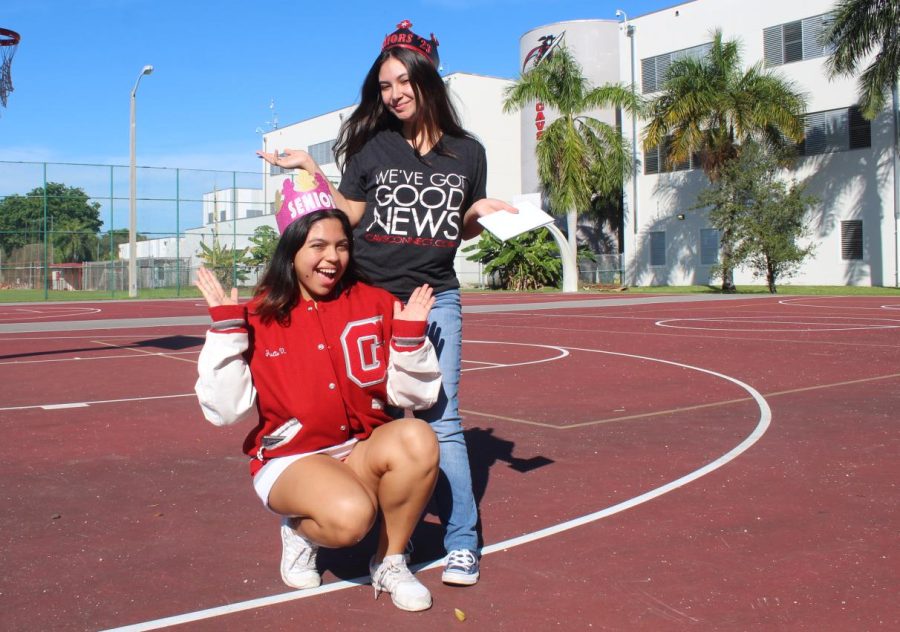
(218, 65)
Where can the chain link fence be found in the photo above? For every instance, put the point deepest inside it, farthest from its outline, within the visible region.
(65, 227)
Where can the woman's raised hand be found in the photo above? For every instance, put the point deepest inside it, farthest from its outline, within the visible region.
(290, 159)
(418, 306)
(213, 291)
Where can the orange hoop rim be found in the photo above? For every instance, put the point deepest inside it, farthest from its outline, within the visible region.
(8, 37)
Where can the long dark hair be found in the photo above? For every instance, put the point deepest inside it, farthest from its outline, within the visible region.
(435, 113)
(278, 292)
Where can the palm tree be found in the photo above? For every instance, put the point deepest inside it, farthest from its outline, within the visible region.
(710, 105)
(579, 158)
(74, 241)
(858, 29)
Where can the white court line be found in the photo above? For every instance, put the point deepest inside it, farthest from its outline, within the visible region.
(795, 302)
(562, 354)
(51, 312)
(96, 337)
(64, 406)
(774, 320)
(765, 417)
(112, 357)
(487, 364)
(98, 401)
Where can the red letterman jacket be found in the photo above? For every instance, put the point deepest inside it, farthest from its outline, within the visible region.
(330, 370)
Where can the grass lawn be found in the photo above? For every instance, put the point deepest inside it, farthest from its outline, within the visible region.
(37, 296)
(789, 290)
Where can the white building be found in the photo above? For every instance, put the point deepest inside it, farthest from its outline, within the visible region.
(846, 161)
(217, 221)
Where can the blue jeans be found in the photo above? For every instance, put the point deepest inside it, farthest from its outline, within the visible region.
(453, 494)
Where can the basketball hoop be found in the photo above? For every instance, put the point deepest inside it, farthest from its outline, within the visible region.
(9, 42)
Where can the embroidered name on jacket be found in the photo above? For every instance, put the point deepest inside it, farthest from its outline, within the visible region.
(363, 344)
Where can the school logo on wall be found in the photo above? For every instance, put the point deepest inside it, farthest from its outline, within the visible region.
(544, 50)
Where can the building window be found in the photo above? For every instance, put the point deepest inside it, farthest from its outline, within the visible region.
(709, 246)
(322, 153)
(209, 218)
(654, 69)
(275, 170)
(658, 248)
(835, 130)
(656, 160)
(852, 239)
(222, 216)
(860, 129)
(254, 212)
(795, 41)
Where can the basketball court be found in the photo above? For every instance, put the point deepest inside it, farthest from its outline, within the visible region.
(640, 462)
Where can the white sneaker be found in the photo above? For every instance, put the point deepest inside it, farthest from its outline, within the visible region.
(392, 576)
(298, 558)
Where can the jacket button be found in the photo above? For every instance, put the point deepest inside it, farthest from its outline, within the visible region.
(321, 346)
(331, 386)
(343, 428)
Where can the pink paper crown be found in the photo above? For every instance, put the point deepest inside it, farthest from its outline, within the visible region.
(312, 194)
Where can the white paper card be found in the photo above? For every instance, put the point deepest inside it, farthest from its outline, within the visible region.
(504, 225)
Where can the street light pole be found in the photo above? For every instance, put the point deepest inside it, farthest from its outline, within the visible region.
(132, 200)
(629, 31)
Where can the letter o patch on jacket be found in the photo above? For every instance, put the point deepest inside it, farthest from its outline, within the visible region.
(363, 345)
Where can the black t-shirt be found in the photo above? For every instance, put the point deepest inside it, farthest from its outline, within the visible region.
(412, 224)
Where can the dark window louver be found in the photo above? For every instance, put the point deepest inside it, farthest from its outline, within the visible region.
(658, 248)
(793, 42)
(860, 129)
(851, 239)
(835, 130)
(651, 161)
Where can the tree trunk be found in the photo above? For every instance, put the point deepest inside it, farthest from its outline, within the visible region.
(727, 269)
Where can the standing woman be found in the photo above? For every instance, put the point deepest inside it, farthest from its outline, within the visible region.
(414, 186)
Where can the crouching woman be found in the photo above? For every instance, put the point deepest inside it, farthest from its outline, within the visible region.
(319, 355)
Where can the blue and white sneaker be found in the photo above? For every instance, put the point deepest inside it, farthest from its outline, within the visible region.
(460, 568)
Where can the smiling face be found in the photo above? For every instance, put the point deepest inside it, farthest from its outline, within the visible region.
(397, 92)
(322, 259)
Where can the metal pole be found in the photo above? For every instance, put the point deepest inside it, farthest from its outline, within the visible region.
(896, 108)
(46, 263)
(178, 232)
(111, 267)
(132, 201)
(634, 162)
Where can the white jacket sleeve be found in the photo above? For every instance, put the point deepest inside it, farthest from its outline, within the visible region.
(224, 387)
(414, 375)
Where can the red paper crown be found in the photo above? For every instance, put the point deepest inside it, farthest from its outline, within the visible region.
(403, 37)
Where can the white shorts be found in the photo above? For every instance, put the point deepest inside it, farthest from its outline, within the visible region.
(265, 478)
